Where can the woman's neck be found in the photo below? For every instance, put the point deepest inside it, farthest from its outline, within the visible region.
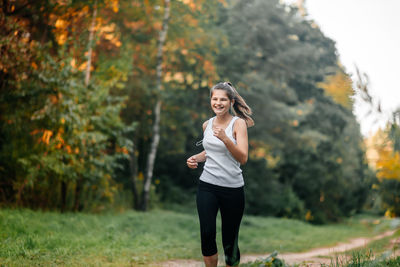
(223, 118)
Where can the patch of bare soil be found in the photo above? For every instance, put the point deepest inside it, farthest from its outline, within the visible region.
(314, 257)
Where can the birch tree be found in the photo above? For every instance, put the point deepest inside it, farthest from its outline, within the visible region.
(157, 109)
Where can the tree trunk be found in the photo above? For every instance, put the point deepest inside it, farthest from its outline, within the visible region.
(78, 191)
(63, 196)
(157, 110)
(90, 49)
(132, 167)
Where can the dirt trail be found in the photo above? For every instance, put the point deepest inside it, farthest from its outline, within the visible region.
(310, 258)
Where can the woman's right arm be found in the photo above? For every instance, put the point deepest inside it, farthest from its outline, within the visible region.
(192, 162)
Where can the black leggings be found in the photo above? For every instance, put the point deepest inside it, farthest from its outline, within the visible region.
(230, 201)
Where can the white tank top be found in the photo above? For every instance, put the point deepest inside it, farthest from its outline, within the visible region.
(220, 168)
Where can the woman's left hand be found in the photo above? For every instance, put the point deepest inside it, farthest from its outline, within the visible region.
(220, 133)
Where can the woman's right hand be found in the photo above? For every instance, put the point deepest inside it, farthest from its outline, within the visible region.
(192, 162)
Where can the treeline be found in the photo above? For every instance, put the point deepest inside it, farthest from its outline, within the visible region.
(78, 90)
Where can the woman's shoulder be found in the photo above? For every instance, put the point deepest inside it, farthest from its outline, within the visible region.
(239, 123)
(206, 123)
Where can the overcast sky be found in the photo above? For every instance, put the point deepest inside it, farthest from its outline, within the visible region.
(367, 34)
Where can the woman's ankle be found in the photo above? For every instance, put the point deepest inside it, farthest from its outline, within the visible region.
(211, 261)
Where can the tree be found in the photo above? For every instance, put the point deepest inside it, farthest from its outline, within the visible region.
(157, 109)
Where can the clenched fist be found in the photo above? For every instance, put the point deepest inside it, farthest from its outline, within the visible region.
(192, 162)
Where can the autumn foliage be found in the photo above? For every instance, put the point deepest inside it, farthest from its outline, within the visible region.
(78, 91)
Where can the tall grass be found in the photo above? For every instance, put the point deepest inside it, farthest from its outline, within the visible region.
(358, 259)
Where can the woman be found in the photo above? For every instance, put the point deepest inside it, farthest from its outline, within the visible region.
(221, 184)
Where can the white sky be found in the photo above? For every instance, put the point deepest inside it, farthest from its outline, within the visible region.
(367, 34)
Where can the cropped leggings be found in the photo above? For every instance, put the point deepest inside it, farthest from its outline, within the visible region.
(230, 201)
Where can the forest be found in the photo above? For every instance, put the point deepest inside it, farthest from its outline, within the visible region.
(102, 102)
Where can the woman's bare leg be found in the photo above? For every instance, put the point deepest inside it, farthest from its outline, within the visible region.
(211, 261)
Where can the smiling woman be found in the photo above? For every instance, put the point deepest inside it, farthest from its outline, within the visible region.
(221, 183)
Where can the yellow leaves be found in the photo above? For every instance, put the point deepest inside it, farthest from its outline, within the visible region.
(189, 78)
(108, 32)
(390, 214)
(113, 5)
(73, 63)
(261, 150)
(34, 66)
(60, 23)
(61, 38)
(309, 216)
(140, 176)
(107, 28)
(178, 76)
(109, 36)
(321, 197)
(82, 67)
(340, 87)
(388, 165)
(380, 155)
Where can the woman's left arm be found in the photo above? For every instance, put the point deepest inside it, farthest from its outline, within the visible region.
(239, 150)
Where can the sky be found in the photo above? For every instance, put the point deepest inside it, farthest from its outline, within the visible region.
(367, 34)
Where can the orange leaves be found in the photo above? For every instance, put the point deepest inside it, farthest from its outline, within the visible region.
(134, 25)
(61, 24)
(108, 32)
(46, 136)
(60, 141)
(113, 4)
(122, 150)
(191, 3)
(49, 138)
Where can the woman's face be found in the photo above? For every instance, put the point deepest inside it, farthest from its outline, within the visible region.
(220, 102)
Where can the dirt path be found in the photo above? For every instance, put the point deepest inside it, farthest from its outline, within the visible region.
(310, 258)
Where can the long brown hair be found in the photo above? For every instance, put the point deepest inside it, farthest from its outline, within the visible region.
(240, 108)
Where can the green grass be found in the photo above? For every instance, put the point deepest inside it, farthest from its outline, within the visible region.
(33, 238)
(260, 235)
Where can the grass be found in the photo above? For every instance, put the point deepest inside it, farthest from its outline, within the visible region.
(357, 260)
(260, 235)
(34, 238)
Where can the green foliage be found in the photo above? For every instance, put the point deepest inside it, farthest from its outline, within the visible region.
(306, 159)
(389, 190)
(312, 165)
(270, 261)
(280, 58)
(76, 136)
